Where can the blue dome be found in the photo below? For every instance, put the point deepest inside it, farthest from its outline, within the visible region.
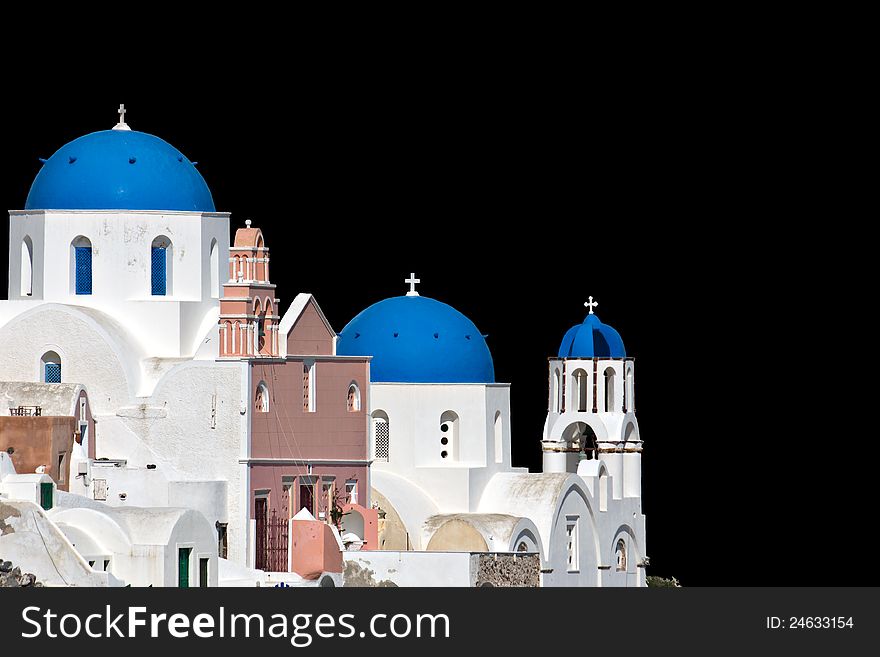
(418, 340)
(119, 170)
(592, 339)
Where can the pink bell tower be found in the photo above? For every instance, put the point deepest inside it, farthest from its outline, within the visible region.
(248, 308)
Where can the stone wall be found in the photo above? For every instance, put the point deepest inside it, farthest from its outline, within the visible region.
(493, 569)
(11, 576)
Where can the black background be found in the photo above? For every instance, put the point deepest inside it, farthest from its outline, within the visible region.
(514, 197)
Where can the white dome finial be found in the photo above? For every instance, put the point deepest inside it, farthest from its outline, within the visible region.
(591, 304)
(247, 223)
(412, 280)
(122, 125)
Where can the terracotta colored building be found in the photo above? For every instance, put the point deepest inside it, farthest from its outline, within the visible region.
(42, 426)
(309, 425)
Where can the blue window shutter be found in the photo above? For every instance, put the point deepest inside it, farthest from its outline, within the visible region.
(159, 270)
(53, 372)
(83, 269)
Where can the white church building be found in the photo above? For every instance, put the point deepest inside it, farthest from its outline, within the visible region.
(118, 267)
(442, 471)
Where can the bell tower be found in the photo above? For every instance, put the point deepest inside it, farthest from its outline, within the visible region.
(248, 309)
(591, 410)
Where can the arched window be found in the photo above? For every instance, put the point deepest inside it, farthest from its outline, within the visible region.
(308, 386)
(449, 436)
(609, 389)
(215, 270)
(354, 398)
(27, 266)
(620, 554)
(581, 436)
(580, 390)
(265, 325)
(261, 398)
(160, 259)
(227, 338)
(499, 438)
(629, 400)
(381, 436)
(81, 265)
(259, 325)
(603, 491)
(557, 404)
(50, 364)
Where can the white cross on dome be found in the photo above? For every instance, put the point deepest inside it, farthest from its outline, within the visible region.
(412, 280)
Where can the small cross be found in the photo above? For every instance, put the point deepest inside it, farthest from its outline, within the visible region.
(247, 223)
(121, 125)
(591, 304)
(412, 280)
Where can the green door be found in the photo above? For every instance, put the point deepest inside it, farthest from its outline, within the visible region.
(183, 567)
(46, 496)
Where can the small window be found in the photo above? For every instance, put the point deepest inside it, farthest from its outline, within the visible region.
(620, 554)
(328, 492)
(215, 270)
(581, 390)
(629, 391)
(27, 266)
(161, 252)
(261, 398)
(61, 467)
(81, 265)
(571, 531)
(381, 436)
(557, 392)
(351, 490)
(222, 539)
(449, 435)
(51, 367)
(354, 398)
(609, 390)
(499, 438)
(308, 387)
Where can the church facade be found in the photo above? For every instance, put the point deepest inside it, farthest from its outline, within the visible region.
(198, 392)
(442, 470)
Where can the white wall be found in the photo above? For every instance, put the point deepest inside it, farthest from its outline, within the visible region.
(415, 568)
(36, 545)
(178, 437)
(121, 268)
(414, 412)
(143, 543)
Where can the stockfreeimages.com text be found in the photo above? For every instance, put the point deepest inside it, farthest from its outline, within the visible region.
(300, 629)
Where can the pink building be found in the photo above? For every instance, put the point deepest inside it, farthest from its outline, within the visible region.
(308, 443)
